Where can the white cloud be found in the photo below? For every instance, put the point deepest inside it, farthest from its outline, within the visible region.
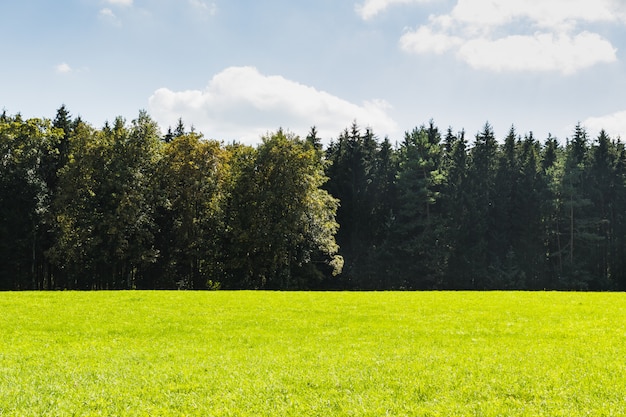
(521, 35)
(539, 52)
(204, 7)
(106, 12)
(424, 40)
(125, 3)
(370, 8)
(614, 124)
(242, 104)
(107, 15)
(63, 68)
(543, 13)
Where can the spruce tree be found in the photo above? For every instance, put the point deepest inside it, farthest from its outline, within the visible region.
(480, 219)
(419, 230)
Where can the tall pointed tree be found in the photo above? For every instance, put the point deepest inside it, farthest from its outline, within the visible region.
(455, 202)
(481, 189)
(351, 169)
(419, 229)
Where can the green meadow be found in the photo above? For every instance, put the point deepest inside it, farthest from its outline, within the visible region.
(312, 354)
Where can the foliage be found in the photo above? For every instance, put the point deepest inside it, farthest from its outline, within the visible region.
(191, 175)
(27, 149)
(486, 215)
(121, 207)
(126, 207)
(105, 205)
(279, 221)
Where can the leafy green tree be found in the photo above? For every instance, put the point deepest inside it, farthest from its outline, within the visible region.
(105, 205)
(241, 229)
(278, 216)
(25, 146)
(191, 175)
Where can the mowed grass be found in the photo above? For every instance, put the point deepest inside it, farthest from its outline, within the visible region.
(312, 354)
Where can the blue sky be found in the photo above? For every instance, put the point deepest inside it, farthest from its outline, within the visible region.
(237, 69)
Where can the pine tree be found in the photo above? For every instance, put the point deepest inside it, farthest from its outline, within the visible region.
(618, 219)
(575, 224)
(481, 191)
(351, 169)
(603, 181)
(455, 202)
(527, 227)
(418, 229)
(501, 249)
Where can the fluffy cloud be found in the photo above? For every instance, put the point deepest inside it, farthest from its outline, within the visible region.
(424, 40)
(370, 8)
(203, 7)
(63, 68)
(520, 35)
(107, 15)
(539, 52)
(120, 2)
(542, 13)
(614, 124)
(242, 104)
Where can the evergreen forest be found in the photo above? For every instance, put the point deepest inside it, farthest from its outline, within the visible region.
(128, 207)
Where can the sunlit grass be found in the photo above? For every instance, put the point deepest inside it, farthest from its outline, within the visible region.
(312, 354)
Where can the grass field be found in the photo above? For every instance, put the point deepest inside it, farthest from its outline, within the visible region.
(312, 354)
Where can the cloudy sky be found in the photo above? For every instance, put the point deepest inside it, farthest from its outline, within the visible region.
(238, 68)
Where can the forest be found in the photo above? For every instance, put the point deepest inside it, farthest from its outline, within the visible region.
(128, 207)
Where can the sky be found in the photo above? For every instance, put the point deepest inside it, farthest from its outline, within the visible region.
(238, 69)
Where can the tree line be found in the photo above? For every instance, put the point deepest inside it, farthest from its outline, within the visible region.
(126, 207)
(440, 212)
(123, 207)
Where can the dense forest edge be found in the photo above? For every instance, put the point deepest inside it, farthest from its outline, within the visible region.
(127, 207)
